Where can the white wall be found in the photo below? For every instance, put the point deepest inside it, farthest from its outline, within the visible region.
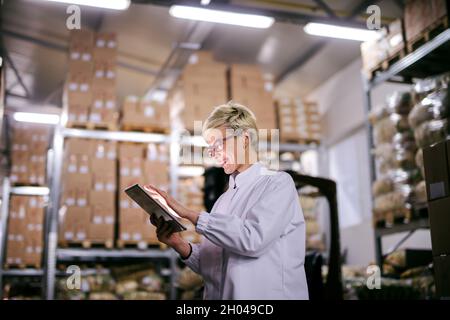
(341, 101)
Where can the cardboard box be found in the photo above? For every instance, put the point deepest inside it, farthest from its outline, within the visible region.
(102, 200)
(76, 181)
(101, 231)
(75, 223)
(82, 36)
(128, 216)
(104, 149)
(129, 151)
(77, 146)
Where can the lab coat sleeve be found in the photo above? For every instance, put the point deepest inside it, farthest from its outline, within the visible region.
(193, 261)
(263, 224)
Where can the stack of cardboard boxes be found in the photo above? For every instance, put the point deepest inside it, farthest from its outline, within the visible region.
(203, 85)
(314, 233)
(424, 15)
(299, 121)
(190, 194)
(249, 87)
(29, 154)
(89, 192)
(90, 92)
(143, 164)
(25, 231)
(139, 113)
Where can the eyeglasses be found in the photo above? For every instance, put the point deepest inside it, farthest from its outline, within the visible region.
(217, 146)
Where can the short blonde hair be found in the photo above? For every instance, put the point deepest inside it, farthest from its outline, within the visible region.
(234, 116)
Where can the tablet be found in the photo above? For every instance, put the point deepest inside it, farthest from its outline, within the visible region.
(155, 204)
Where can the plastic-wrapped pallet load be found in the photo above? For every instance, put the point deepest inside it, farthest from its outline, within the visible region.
(88, 207)
(29, 154)
(90, 90)
(25, 231)
(395, 152)
(142, 164)
(429, 119)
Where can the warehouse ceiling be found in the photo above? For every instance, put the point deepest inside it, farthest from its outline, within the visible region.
(36, 40)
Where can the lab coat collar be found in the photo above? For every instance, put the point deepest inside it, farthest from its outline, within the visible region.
(240, 179)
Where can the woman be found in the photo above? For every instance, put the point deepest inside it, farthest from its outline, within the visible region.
(253, 244)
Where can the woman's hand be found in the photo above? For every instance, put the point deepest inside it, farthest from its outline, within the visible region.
(165, 234)
(174, 204)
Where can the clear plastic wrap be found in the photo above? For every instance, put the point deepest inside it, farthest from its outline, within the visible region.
(419, 162)
(399, 102)
(431, 132)
(382, 186)
(420, 192)
(385, 129)
(425, 86)
(434, 106)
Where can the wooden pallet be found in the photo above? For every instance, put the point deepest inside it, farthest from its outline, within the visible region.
(21, 266)
(93, 126)
(300, 141)
(390, 218)
(87, 244)
(147, 129)
(140, 245)
(387, 63)
(428, 34)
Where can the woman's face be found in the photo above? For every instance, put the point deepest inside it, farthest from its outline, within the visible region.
(225, 148)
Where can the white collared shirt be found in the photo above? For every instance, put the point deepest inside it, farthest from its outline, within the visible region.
(254, 240)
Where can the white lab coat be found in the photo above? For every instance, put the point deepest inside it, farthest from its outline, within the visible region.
(254, 240)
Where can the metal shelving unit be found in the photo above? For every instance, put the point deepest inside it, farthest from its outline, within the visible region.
(53, 254)
(9, 190)
(428, 60)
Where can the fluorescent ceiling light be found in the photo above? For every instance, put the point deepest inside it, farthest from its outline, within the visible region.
(36, 117)
(217, 16)
(105, 4)
(332, 31)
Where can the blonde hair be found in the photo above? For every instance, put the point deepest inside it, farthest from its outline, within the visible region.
(233, 116)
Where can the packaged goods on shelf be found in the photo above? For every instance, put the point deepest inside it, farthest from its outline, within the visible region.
(141, 282)
(429, 117)
(191, 195)
(423, 16)
(298, 120)
(90, 92)
(88, 195)
(25, 231)
(139, 113)
(314, 233)
(250, 87)
(29, 154)
(395, 152)
(202, 86)
(142, 164)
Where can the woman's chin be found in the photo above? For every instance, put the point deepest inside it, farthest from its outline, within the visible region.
(228, 168)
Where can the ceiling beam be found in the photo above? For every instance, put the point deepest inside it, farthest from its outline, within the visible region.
(65, 49)
(322, 4)
(16, 72)
(297, 18)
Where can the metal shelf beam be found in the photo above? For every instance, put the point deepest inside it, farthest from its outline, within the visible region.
(412, 58)
(23, 272)
(74, 254)
(412, 226)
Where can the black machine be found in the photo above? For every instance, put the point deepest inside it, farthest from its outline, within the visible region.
(216, 182)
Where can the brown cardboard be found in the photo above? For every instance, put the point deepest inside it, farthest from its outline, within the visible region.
(101, 231)
(82, 36)
(77, 146)
(131, 150)
(76, 181)
(102, 200)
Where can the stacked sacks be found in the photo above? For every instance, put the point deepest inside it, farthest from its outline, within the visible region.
(395, 151)
(429, 119)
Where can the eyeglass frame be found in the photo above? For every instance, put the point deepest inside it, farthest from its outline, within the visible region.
(211, 150)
